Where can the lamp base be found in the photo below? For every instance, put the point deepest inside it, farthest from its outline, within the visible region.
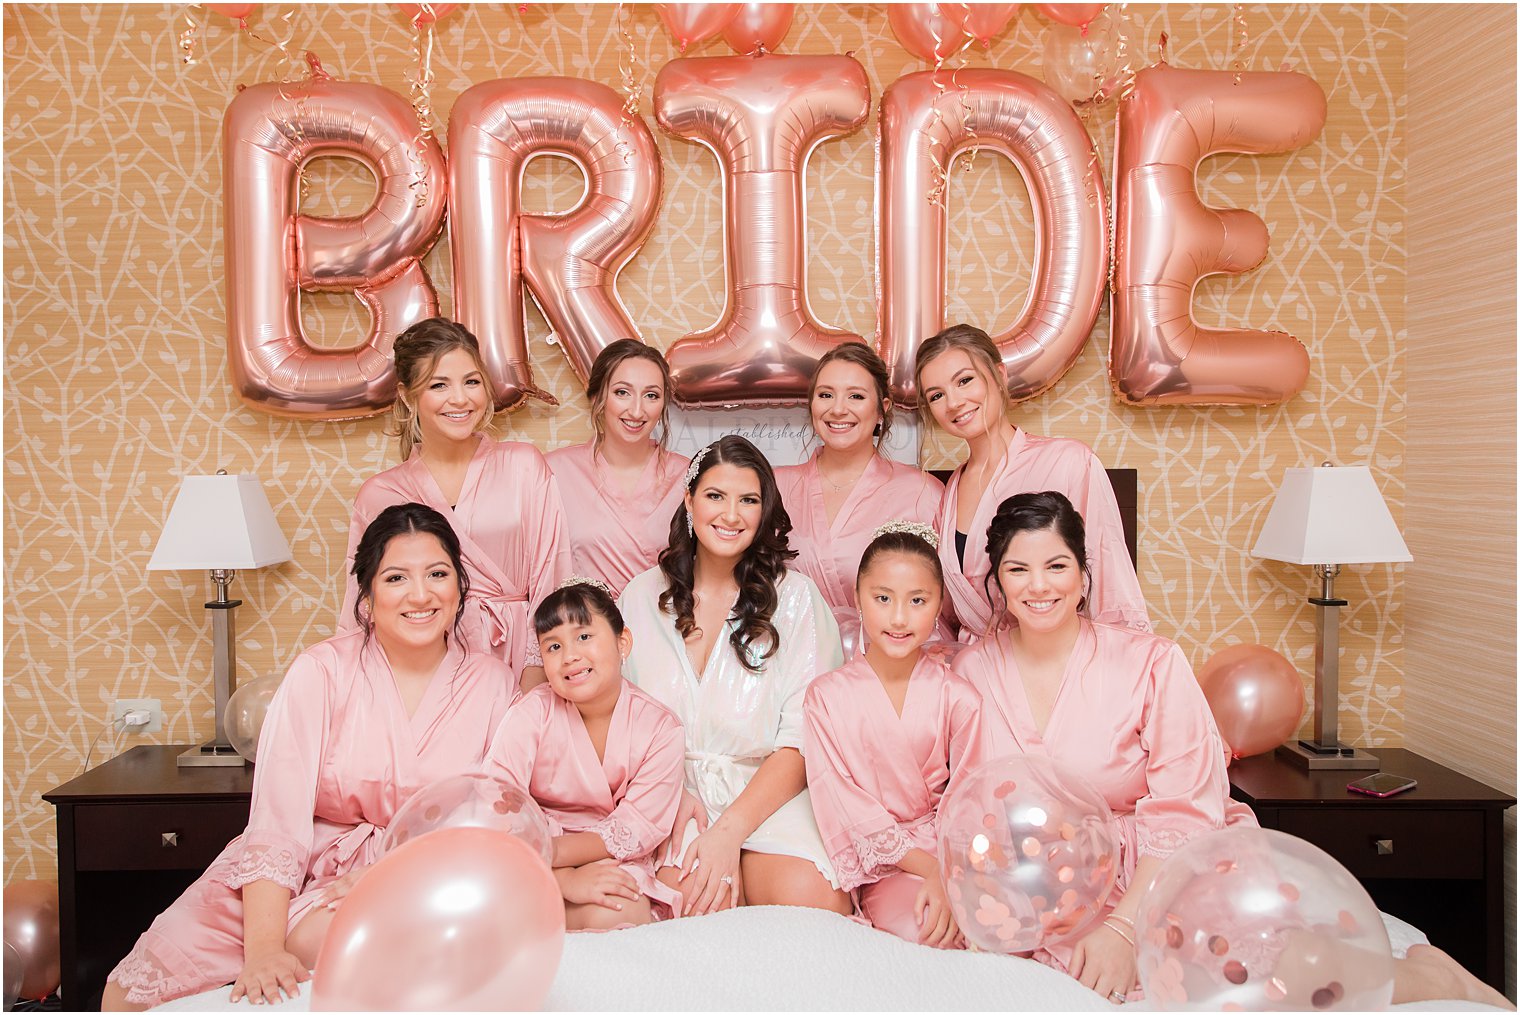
(1310, 755)
(210, 755)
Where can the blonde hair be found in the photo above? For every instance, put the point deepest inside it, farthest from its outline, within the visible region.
(972, 341)
(417, 352)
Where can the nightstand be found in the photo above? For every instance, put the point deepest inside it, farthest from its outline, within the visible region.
(1433, 856)
(133, 834)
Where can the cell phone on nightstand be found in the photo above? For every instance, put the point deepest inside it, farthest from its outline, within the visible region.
(1384, 784)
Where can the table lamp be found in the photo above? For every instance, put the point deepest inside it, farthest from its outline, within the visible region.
(1328, 517)
(220, 524)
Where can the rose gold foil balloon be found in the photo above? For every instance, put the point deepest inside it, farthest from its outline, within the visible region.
(758, 28)
(1256, 696)
(464, 919)
(473, 800)
(762, 117)
(269, 133)
(1076, 15)
(31, 928)
(691, 24)
(1253, 919)
(923, 127)
(1029, 853)
(1166, 240)
(928, 31)
(243, 718)
(569, 262)
(983, 22)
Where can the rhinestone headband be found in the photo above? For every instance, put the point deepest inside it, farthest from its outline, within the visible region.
(696, 464)
(593, 582)
(918, 529)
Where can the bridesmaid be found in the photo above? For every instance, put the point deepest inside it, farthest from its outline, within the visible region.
(837, 498)
(963, 387)
(621, 488)
(500, 497)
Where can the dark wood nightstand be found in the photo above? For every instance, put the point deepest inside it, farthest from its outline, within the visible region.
(133, 834)
(1433, 855)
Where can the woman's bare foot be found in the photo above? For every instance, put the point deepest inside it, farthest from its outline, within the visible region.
(1429, 974)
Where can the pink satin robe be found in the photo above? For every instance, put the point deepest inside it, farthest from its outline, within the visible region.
(511, 527)
(612, 536)
(628, 796)
(877, 778)
(829, 552)
(338, 756)
(1033, 465)
(1131, 719)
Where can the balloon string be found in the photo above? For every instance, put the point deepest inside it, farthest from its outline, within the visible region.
(939, 150)
(628, 63)
(421, 83)
(968, 120)
(1125, 83)
(1242, 40)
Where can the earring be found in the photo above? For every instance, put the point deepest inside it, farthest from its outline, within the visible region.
(689, 530)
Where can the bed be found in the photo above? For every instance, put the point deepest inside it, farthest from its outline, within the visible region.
(783, 959)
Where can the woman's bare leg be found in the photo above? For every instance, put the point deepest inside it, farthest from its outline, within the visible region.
(774, 880)
(1429, 974)
(590, 916)
(671, 877)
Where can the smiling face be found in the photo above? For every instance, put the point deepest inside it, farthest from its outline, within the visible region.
(414, 597)
(725, 508)
(961, 396)
(844, 406)
(584, 662)
(899, 603)
(635, 400)
(1041, 580)
(452, 404)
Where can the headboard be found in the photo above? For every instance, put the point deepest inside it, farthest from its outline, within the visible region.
(1126, 484)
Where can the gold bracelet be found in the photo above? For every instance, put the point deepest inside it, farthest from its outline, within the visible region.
(1119, 931)
(1122, 919)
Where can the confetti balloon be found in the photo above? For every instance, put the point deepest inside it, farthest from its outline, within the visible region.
(243, 719)
(1029, 853)
(471, 801)
(1250, 919)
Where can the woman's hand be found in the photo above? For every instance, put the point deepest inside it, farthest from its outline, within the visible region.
(265, 975)
(936, 920)
(339, 889)
(712, 866)
(1104, 962)
(596, 884)
(690, 809)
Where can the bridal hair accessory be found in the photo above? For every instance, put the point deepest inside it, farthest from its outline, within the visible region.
(593, 582)
(918, 529)
(696, 464)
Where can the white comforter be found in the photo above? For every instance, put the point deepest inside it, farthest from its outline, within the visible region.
(784, 959)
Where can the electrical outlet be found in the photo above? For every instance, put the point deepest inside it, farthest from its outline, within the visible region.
(152, 706)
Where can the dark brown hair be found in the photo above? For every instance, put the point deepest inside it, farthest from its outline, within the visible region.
(576, 604)
(865, 357)
(1035, 512)
(401, 520)
(606, 364)
(905, 543)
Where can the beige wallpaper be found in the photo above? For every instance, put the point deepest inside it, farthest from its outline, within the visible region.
(115, 370)
(1460, 689)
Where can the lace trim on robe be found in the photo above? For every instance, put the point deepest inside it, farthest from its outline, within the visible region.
(260, 863)
(868, 856)
(621, 842)
(1163, 842)
(147, 979)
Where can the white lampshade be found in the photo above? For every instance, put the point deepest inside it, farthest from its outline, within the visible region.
(1330, 515)
(219, 522)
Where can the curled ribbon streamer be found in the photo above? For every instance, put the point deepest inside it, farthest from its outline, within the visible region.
(940, 166)
(188, 37)
(628, 62)
(1124, 82)
(1242, 40)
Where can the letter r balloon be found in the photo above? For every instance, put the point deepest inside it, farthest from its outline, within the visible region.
(762, 117)
(1166, 240)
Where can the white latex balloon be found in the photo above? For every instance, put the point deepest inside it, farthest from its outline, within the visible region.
(246, 709)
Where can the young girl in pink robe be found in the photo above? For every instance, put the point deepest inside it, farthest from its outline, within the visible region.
(885, 737)
(500, 497)
(838, 498)
(962, 385)
(1119, 707)
(358, 725)
(602, 758)
(621, 488)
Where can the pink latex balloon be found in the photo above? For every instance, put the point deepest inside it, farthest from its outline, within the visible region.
(464, 919)
(1076, 15)
(31, 928)
(693, 24)
(758, 28)
(426, 14)
(762, 117)
(236, 12)
(472, 800)
(569, 262)
(928, 31)
(1166, 240)
(1256, 696)
(983, 22)
(273, 251)
(1252, 919)
(1029, 853)
(1036, 129)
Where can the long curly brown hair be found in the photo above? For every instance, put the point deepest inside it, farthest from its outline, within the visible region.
(758, 572)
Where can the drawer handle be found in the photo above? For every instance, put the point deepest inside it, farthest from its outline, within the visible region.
(170, 839)
(1384, 846)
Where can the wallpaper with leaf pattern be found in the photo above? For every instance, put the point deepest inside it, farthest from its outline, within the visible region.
(116, 374)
